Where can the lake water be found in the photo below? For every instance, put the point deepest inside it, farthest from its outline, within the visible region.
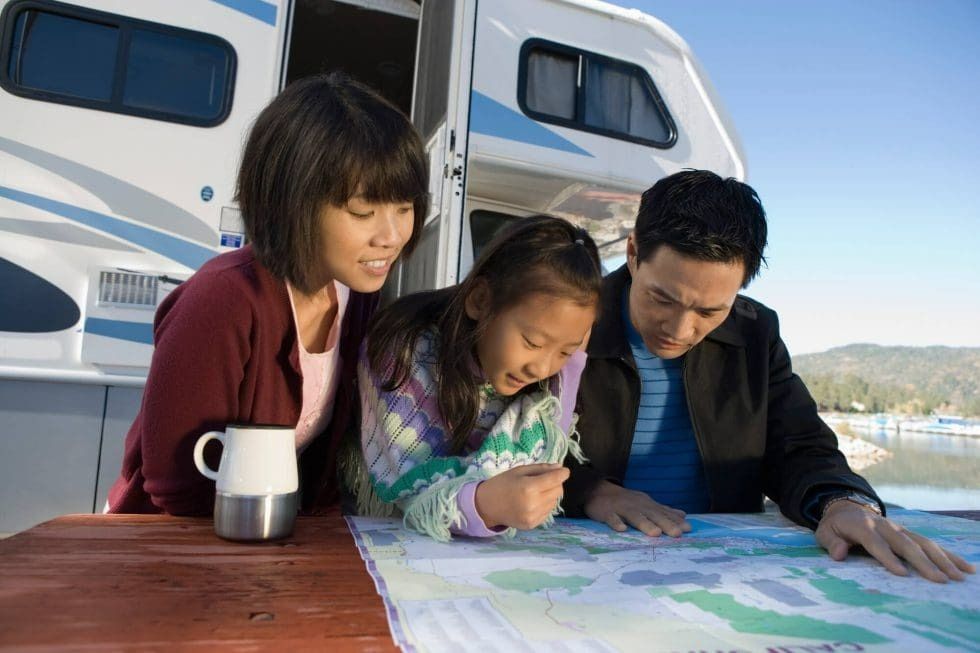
(926, 471)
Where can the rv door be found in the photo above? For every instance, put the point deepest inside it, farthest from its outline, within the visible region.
(440, 111)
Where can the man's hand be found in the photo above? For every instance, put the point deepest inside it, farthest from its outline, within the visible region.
(521, 497)
(846, 524)
(617, 507)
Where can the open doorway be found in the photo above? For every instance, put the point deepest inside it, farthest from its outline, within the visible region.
(371, 40)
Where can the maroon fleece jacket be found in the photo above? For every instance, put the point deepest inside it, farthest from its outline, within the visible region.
(226, 353)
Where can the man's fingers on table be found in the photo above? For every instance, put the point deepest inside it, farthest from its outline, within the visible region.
(670, 524)
(670, 520)
(881, 550)
(839, 549)
(653, 522)
(615, 523)
(939, 556)
(638, 520)
(835, 545)
(960, 563)
(914, 555)
(675, 513)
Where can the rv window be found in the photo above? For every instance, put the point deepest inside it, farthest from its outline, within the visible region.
(175, 75)
(63, 55)
(590, 92)
(617, 99)
(70, 55)
(552, 83)
(484, 225)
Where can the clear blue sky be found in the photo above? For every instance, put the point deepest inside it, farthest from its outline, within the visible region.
(861, 125)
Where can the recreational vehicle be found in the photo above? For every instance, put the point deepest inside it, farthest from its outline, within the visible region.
(122, 124)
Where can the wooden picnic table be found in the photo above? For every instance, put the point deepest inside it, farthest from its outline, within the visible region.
(156, 582)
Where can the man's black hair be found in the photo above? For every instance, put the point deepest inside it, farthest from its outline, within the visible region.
(700, 215)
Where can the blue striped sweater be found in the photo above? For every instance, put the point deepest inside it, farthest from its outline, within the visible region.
(664, 460)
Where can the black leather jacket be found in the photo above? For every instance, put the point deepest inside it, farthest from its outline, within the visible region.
(755, 423)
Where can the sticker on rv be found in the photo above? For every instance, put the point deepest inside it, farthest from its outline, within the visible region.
(231, 240)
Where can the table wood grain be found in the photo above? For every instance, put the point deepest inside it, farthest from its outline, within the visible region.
(155, 582)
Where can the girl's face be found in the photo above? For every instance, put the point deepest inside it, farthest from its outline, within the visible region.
(362, 239)
(529, 341)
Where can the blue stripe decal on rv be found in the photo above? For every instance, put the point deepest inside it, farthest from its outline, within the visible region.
(141, 332)
(176, 249)
(487, 116)
(255, 8)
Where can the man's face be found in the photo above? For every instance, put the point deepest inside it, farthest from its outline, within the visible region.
(675, 300)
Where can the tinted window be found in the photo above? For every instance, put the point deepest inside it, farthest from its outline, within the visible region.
(71, 55)
(63, 55)
(617, 98)
(552, 83)
(590, 92)
(484, 225)
(173, 74)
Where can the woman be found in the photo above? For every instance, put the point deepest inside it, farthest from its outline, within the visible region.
(332, 189)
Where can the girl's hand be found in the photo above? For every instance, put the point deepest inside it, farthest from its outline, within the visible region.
(522, 497)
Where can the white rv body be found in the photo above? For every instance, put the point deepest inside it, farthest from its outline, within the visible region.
(106, 212)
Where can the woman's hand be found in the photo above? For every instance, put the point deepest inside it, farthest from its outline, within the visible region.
(522, 497)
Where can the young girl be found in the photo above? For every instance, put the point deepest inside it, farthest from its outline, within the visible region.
(467, 392)
(332, 188)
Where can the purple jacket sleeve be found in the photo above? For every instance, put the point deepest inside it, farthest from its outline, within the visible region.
(568, 380)
(473, 524)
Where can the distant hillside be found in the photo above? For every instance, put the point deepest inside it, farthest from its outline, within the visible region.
(894, 379)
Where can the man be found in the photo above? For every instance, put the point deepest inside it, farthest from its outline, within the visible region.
(689, 403)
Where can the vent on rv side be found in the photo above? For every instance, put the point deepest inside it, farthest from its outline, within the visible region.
(128, 289)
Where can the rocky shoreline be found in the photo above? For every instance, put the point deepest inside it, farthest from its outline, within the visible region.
(860, 454)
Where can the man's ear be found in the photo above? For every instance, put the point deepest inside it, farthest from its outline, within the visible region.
(631, 253)
(477, 303)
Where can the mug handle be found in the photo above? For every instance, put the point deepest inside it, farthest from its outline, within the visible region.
(199, 452)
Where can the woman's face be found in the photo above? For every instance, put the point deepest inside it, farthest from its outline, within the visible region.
(531, 341)
(361, 240)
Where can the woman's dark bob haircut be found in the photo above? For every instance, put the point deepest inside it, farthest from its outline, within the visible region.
(321, 141)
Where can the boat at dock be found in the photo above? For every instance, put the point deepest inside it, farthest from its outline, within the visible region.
(942, 424)
(946, 424)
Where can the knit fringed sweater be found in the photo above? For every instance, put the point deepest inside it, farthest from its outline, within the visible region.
(405, 465)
